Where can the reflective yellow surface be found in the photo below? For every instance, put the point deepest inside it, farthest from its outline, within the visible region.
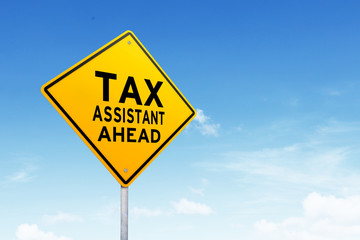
(122, 105)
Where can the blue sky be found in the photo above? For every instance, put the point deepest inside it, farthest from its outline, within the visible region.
(272, 154)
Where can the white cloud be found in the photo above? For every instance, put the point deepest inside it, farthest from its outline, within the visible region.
(204, 181)
(61, 218)
(335, 127)
(239, 128)
(108, 213)
(147, 212)
(324, 218)
(185, 206)
(333, 92)
(326, 160)
(198, 191)
(20, 176)
(23, 175)
(32, 232)
(311, 164)
(342, 210)
(204, 125)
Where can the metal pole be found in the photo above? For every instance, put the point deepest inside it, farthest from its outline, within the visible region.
(124, 213)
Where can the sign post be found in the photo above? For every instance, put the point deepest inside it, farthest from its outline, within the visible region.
(124, 213)
(123, 106)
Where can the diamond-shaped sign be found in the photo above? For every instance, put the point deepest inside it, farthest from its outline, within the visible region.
(122, 105)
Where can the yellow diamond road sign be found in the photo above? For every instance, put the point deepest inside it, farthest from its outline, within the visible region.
(122, 105)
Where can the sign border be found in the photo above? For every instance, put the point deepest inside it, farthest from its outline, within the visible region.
(90, 58)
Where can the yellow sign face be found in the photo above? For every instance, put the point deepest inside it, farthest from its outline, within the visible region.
(122, 105)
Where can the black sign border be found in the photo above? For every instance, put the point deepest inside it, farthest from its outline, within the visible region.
(46, 89)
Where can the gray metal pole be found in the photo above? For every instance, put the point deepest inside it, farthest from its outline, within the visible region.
(124, 213)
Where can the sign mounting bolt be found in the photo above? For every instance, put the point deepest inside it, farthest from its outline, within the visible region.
(125, 170)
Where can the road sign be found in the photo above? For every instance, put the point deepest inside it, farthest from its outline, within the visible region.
(122, 105)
